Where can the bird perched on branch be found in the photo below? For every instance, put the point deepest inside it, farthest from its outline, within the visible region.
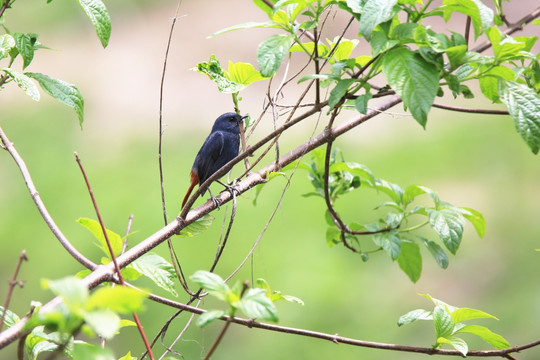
(220, 147)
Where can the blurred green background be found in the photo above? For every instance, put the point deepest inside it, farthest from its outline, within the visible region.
(477, 161)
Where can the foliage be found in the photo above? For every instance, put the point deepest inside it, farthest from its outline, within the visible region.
(417, 63)
(448, 322)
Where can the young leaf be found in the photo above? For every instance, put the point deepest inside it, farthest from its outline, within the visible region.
(413, 315)
(374, 13)
(99, 16)
(413, 191)
(216, 73)
(438, 253)
(62, 91)
(271, 52)
(243, 73)
(209, 316)
(119, 299)
(410, 260)
(158, 270)
(212, 283)
(7, 42)
(475, 218)
(264, 7)
(95, 228)
(390, 242)
(463, 314)
(256, 305)
(458, 343)
(523, 104)
(413, 78)
(442, 321)
(197, 227)
(24, 82)
(10, 319)
(448, 223)
(72, 289)
(104, 322)
(495, 340)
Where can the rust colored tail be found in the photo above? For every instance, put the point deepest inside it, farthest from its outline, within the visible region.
(194, 181)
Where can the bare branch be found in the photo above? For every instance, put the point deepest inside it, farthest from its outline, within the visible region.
(12, 285)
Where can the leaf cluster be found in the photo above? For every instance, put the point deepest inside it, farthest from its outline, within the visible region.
(255, 303)
(396, 232)
(449, 324)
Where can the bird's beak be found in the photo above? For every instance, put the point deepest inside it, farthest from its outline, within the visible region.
(243, 117)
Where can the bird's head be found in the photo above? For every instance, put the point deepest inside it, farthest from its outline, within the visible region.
(229, 122)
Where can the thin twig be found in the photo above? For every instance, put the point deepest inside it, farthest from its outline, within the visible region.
(8, 145)
(472, 111)
(113, 257)
(467, 30)
(13, 282)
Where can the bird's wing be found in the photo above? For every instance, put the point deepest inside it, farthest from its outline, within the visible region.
(208, 155)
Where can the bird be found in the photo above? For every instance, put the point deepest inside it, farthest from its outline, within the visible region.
(220, 147)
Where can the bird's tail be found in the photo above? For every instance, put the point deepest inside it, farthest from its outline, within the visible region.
(194, 181)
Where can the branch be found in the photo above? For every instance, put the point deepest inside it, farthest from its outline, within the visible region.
(12, 285)
(103, 273)
(41, 206)
(113, 257)
(473, 111)
(346, 340)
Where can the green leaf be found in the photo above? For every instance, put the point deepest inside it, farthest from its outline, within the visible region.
(374, 13)
(243, 73)
(413, 315)
(361, 103)
(489, 82)
(197, 227)
(458, 343)
(410, 260)
(119, 299)
(216, 73)
(127, 357)
(271, 52)
(438, 253)
(464, 314)
(392, 190)
(7, 42)
(523, 104)
(256, 305)
(269, 176)
(158, 270)
(24, 83)
(264, 7)
(480, 14)
(104, 322)
(475, 218)
(62, 91)
(99, 16)
(442, 321)
(38, 342)
(495, 340)
(10, 319)
(339, 91)
(95, 228)
(448, 223)
(71, 289)
(25, 46)
(414, 79)
(209, 316)
(413, 191)
(85, 351)
(212, 283)
(390, 242)
(353, 168)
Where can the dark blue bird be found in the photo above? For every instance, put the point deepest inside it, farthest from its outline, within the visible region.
(220, 147)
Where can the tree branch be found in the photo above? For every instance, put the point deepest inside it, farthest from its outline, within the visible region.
(12, 285)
